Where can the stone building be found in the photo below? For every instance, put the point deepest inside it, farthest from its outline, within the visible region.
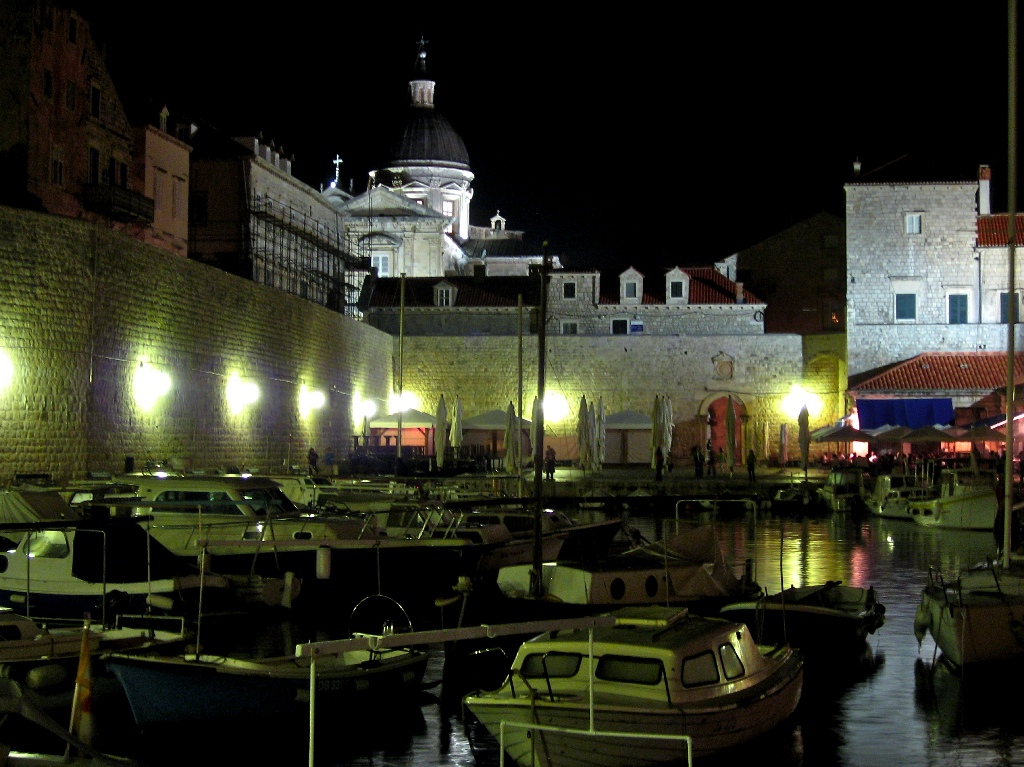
(251, 217)
(67, 146)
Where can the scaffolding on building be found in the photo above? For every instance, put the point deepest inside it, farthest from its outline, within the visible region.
(294, 252)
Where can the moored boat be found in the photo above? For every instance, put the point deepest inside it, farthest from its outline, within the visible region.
(622, 695)
(963, 499)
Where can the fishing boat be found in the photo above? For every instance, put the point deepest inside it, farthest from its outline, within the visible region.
(828, 620)
(889, 495)
(963, 499)
(657, 685)
(976, 618)
(843, 490)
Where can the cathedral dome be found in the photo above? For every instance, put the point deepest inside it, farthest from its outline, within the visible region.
(428, 138)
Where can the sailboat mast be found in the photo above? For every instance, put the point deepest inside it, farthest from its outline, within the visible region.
(401, 368)
(519, 412)
(538, 449)
(1011, 315)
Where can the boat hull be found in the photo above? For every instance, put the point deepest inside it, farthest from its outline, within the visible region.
(713, 729)
(180, 689)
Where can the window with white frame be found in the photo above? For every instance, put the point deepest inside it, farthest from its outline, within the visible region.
(675, 289)
(382, 263)
(630, 289)
(568, 290)
(442, 296)
(906, 307)
(570, 328)
(913, 223)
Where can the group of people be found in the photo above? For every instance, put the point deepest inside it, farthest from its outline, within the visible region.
(707, 461)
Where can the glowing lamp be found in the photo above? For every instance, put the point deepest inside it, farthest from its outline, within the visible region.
(793, 402)
(556, 407)
(240, 393)
(310, 400)
(149, 385)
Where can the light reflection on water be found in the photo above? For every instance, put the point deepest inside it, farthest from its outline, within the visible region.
(893, 705)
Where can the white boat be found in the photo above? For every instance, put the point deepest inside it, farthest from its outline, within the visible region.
(622, 695)
(889, 495)
(690, 569)
(976, 618)
(963, 499)
(844, 488)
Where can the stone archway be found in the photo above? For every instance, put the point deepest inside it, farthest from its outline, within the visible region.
(716, 409)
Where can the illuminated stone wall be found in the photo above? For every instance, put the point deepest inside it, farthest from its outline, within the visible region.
(84, 306)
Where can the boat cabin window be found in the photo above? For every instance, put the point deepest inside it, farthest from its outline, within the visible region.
(267, 499)
(551, 664)
(731, 663)
(49, 544)
(196, 501)
(619, 668)
(700, 669)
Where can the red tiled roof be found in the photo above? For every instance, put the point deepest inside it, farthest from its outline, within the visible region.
(945, 371)
(994, 231)
(490, 291)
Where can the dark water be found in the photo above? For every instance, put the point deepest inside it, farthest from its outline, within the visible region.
(893, 707)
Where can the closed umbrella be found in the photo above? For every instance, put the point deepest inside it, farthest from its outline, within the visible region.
(440, 432)
(582, 433)
(601, 432)
(595, 462)
(805, 437)
(455, 436)
(657, 428)
(513, 441)
(669, 425)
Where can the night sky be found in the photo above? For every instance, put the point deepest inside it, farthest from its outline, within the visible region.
(652, 140)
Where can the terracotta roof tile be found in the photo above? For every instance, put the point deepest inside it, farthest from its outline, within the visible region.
(944, 371)
(993, 231)
(491, 291)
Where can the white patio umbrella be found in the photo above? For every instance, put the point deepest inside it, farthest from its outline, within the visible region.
(440, 432)
(513, 441)
(601, 432)
(455, 436)
(595, 461)
(583, 433)
(657, 428)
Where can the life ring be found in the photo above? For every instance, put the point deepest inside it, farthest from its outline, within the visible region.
(758, 316)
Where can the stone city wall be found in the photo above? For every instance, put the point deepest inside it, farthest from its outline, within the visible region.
(87, 308)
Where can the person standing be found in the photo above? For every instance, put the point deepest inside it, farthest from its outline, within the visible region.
(313, 459)
(711, 460)
(549, 462)
(751, 466)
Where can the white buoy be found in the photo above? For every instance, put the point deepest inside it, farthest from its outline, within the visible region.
(160, 602)
(323, 563)
(45, 676)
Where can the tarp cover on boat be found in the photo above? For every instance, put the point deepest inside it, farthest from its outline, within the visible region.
(904, 412)
(17, 506)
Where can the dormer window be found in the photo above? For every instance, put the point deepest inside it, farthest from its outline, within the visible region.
(444, 294)
(630, 290)
(677, 287)
(631, 286)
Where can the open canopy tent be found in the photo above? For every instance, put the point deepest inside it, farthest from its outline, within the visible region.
(843, 433)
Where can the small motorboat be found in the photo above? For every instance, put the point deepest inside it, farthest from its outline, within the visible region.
(823, 620)
(650, 686)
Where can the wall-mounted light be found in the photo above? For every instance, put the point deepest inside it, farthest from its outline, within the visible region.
(797, 398)
(402, 402)
(310, 400)
(149, 385)
(240, 393)
(556, 407)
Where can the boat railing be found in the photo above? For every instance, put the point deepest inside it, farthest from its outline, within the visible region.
(592, 733)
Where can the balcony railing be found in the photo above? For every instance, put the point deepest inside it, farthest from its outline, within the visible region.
(118, 203)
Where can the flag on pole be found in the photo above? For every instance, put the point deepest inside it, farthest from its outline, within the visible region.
(81, 703)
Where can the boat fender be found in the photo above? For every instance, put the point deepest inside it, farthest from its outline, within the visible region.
(160, 602)
(47, 675)
(323, 563)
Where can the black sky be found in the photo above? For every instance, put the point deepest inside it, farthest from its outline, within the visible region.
(654, 140)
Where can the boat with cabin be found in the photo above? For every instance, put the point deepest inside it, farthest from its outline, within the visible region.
(656, 685)
(962, 499)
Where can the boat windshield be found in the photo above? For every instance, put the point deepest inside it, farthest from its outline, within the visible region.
(264, 500)
(551, 664)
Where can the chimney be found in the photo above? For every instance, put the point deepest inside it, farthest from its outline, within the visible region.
(856, 167)
(984, 190)
(739, 293)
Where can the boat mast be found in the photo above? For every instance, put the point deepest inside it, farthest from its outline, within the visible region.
(401, 369)
(536, 585)
(519, 412)
(1011, 315)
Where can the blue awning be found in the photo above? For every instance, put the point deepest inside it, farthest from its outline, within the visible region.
(914, 413)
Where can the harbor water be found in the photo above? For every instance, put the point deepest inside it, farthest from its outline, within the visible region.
(896, 703)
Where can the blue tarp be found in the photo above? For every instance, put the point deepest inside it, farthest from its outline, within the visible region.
(914, 413)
